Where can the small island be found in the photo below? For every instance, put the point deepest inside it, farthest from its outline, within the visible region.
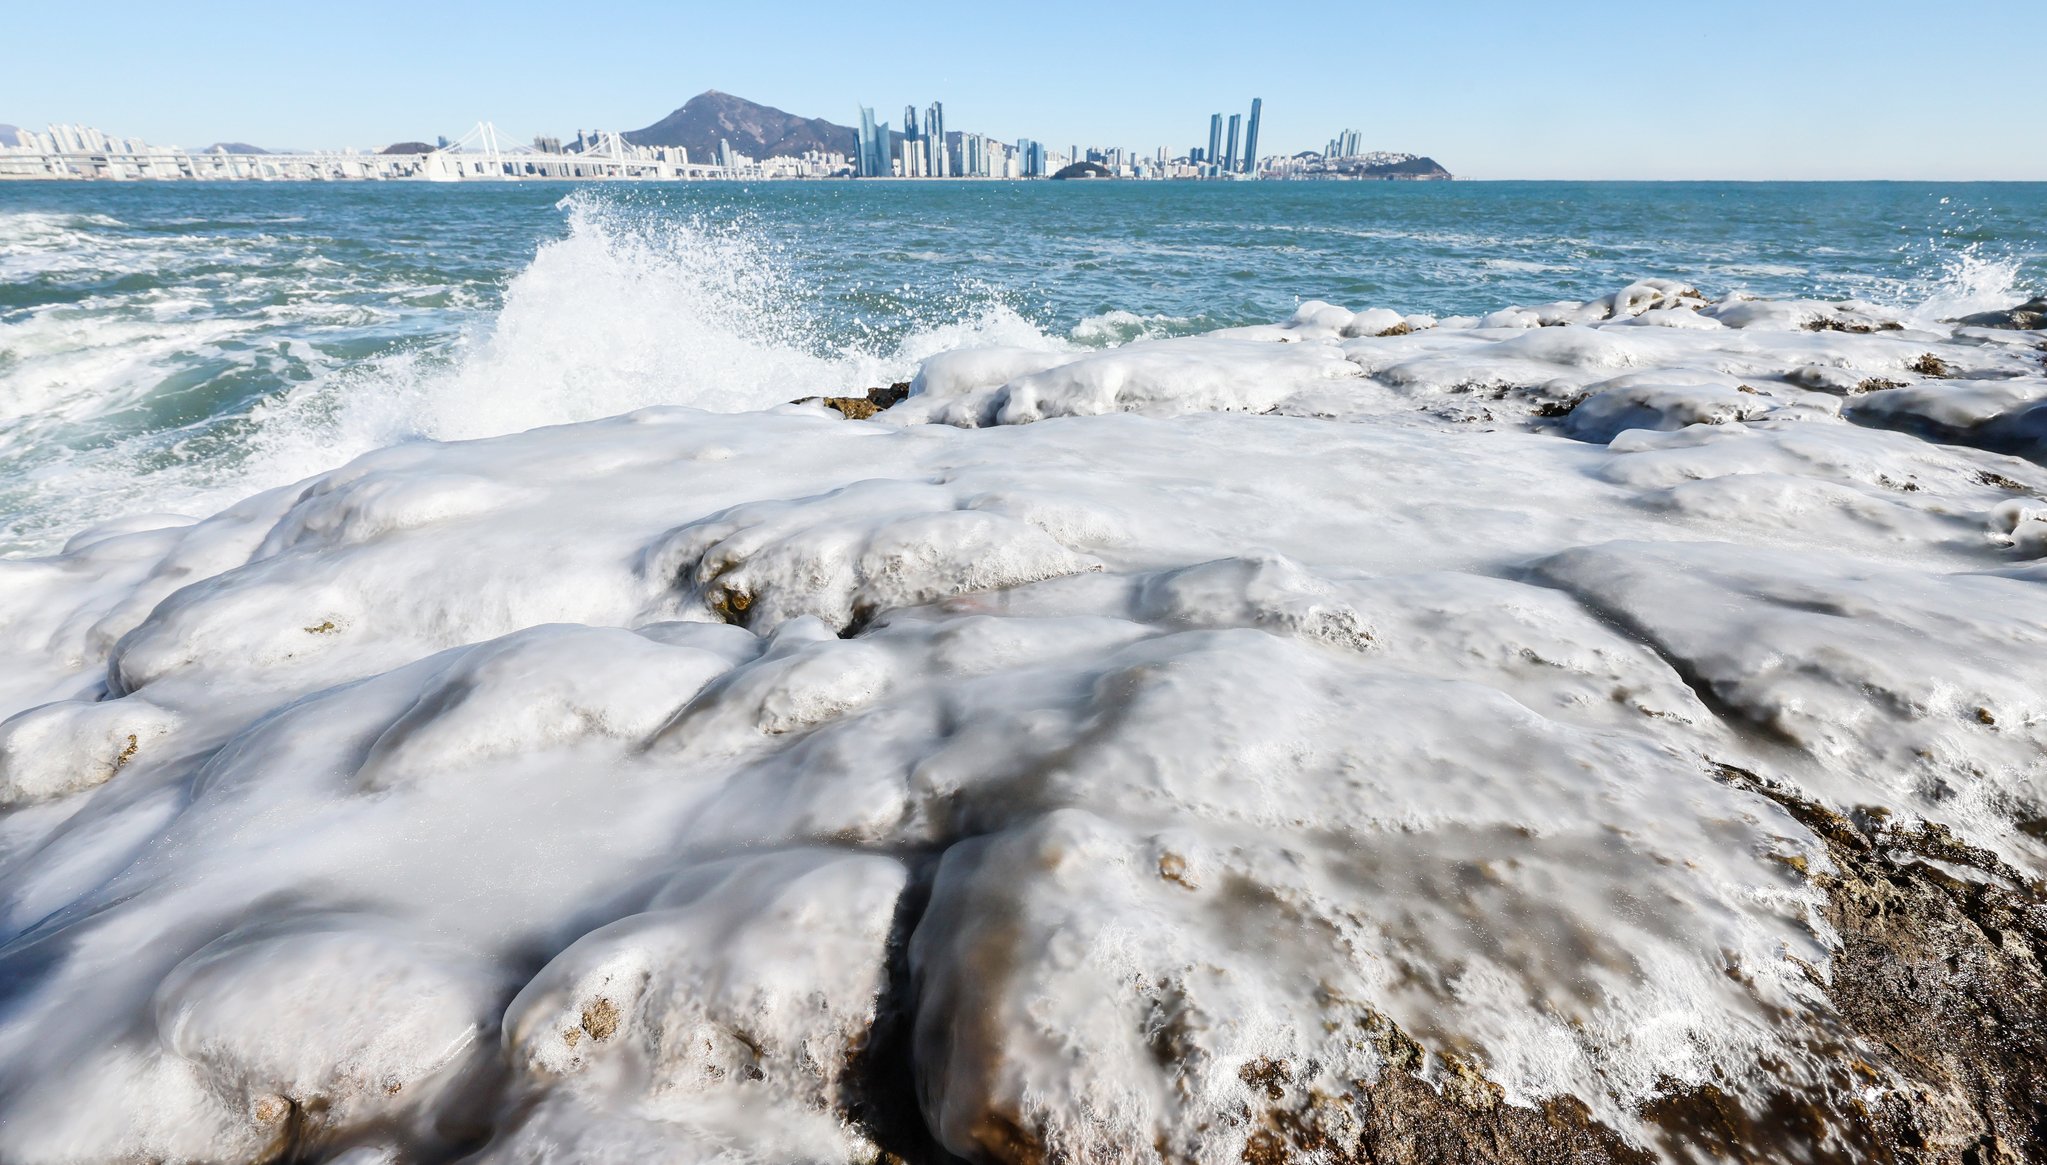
(1083, 170)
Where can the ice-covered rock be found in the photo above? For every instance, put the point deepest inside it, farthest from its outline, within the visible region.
(1905, 690)
(1320, 318)
(54, 749)
(1157, 377)
(1279, 744)
(2009, 416)
(1608, 412)
(870, 547)
(736, 1009)
(1377, 322)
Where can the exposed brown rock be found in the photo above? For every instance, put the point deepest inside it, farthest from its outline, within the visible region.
(1931, 365)
(1853, 327)
(1936, 1051)
(855, 408)
(859, 408)
(1999, 480)
(1940, 989)
(600, 1019)
(1401, 1119)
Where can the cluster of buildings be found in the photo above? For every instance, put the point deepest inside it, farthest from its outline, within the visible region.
(1346, 158)
(71, 151)
(923, 149)
(1344, 145)
(1222, 157)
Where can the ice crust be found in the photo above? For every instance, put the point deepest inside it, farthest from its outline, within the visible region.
(647, 789)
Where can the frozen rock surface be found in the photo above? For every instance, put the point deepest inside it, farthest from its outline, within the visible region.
(1604, 731)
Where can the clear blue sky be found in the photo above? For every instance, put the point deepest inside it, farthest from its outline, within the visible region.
(1734, 89)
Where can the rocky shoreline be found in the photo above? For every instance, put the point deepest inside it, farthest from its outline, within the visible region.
(1603, 731)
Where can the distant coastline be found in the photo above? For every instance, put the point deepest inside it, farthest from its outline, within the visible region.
(712, 137)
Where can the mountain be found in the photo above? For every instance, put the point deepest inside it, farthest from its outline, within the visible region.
(234, 148)
(10, 135)
(758, 131)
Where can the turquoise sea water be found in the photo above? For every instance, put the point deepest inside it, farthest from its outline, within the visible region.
(172, 347)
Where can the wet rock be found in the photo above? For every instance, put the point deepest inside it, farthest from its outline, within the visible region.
(2028, 316)
(1852, 327)
(860, 408)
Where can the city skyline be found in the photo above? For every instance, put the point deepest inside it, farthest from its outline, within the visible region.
(921, 149)
(924, 149)
(1684, 96)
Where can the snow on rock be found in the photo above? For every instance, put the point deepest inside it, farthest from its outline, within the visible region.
(1320, 318)
(1611, 411)
(2005, 415)
(870, 547)
(283, 1033)
(1918, 692)
(1068, 763)
(734, 1009)
(1376, 322)
(72, 745)
(1852, 316)
(960, 372)
(1159, 377)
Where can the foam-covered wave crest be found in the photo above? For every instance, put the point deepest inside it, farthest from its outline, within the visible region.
(629, 307)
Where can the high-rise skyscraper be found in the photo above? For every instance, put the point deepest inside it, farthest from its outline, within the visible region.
(1230, 146)
(1215, 139)
(1030, 158)
(934, 129)
(1251, 137)
(871, 150)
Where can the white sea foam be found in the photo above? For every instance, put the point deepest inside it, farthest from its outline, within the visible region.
(1121, 327)
(1969, 281)
(622, 312)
